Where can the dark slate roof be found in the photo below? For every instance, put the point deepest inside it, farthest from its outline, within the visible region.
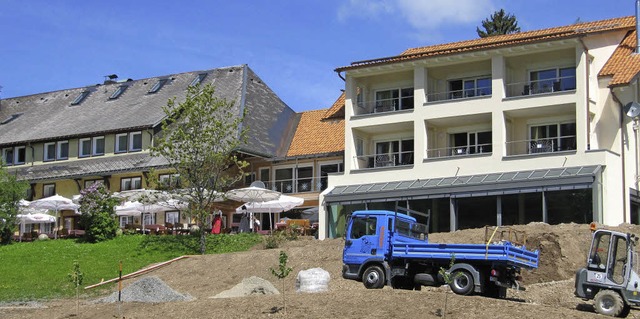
(50, 116)
(100, 166)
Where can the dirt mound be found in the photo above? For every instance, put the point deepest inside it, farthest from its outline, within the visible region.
(249, 287)
(549, 291)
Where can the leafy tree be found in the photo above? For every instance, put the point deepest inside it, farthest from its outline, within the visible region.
(76, 277)
(281, 273)
(98, 218)
(448, 279)
(11, 191)
(498, 23)
(198, 139)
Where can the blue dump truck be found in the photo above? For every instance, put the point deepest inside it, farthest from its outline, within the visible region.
(392, 248)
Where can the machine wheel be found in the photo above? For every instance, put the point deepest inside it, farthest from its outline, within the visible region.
(373, 277)
(609, 303)
(462, 283)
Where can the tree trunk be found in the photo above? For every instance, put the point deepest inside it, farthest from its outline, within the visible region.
(203, 241)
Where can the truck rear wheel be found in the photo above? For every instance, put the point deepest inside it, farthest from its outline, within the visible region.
(462, 282)
(609, 303)
(373, 277)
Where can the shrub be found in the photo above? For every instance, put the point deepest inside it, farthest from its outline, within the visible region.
(98, 217)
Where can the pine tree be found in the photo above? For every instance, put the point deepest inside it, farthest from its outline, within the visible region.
(498, 23)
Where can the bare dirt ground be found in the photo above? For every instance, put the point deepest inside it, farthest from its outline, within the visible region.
(549, 291)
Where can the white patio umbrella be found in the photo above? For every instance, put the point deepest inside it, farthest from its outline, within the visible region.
(255, 193)
(55, 203)
(283, 203)
(33, 216)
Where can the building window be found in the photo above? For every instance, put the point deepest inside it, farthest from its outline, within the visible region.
(304, 179)
(129, 183)
(62, 150)
(265, 177)
(20, 155)
(551, 80)
(84, 147)
(552, 137)
(48, 190)
(121, 143)
(284, 180)
(325, 170)
(470, 87)
(149, 219)
(135, 141)
(393, 153)
(7, 156)
(172, 217)
(125, 220)
(169, 180)
(359, 146)
(470, 143)
(98, 145)
(394, 99)
(49, 151)
(249, 178)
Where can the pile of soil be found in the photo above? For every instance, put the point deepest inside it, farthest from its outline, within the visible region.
(549, 291)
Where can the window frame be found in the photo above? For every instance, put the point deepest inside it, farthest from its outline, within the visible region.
(45, 187)
(59, 150)
(132, 135)
(46, 157)
(8, 153)
(81, 151)
(399, 102)
(94, 145)
(117, 146)
(131, 182)
(534, 84)
(16, 154)
(559, 138)
(468, 92)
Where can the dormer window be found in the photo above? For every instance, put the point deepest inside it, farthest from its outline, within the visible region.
(118, 92)
(80, 97)
(198, 79)
(156, 87)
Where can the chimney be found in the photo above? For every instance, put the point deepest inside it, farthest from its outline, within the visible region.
(112, 78)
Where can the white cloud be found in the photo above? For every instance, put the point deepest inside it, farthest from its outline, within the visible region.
(421, 14)
(365, 9)
(430, 14)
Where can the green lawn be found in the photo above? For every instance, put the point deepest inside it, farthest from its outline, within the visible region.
(39, 270)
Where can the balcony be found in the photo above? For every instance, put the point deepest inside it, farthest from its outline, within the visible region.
(460, 151)
(469, 93)
(384, 160)
(384, 106)
(547, 85)
(299, 185)
(542, 145)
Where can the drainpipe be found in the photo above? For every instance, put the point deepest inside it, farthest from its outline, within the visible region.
(33, 154)
(588, 62)
(622, 156)
(637, 26)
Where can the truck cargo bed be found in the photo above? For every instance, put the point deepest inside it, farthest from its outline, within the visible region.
(503, 252)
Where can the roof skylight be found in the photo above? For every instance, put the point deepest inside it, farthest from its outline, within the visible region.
(198, 79)
(156, 87)
(11, 118)
(118, 92)
(80, 97)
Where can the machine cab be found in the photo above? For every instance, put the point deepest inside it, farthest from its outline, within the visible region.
(366, 234)
(607, 259)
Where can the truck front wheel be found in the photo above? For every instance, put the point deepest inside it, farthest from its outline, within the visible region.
(609, 303)
(373, 277)
(461, 282)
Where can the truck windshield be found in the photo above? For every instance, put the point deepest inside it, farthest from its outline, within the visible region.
(411, 229)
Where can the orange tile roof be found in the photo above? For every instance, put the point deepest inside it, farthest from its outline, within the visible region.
(315, 135)
(336, 111)
(623, 65)
(556, 33)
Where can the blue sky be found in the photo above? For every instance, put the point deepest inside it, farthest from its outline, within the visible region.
(293, 45)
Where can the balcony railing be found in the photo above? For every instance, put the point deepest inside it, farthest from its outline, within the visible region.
(299, 185)
(558, 84)
(542, 145)
(383, 106)
(465, 150)
(384, 160)
(459, 94)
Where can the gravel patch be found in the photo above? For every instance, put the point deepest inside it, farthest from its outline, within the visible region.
(248, 287)
(21, 304)
(148, 289)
